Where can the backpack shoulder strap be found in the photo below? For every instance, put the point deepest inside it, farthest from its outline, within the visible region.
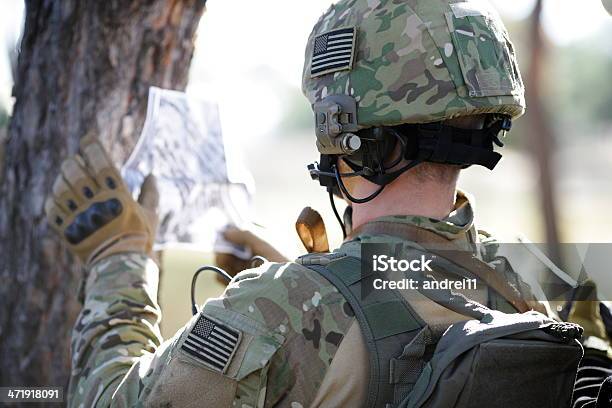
(387, 322)
(443, 247)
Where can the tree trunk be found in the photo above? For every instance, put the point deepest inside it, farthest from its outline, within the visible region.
(541, 133)
(84, 66)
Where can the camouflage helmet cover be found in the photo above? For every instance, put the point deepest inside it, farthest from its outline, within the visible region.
(418, 61)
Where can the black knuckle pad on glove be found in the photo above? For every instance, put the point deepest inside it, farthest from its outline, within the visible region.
(92, 209)
(92, 219)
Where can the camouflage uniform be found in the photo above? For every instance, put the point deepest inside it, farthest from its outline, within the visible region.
(299, 346)
(289, 338)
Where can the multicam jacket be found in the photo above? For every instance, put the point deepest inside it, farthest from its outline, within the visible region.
(280, 335)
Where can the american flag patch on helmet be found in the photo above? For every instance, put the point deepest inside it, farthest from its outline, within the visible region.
(333, 51)
(211, 343)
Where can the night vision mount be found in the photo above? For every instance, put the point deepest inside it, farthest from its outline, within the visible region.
(335, 122)
(335, 127)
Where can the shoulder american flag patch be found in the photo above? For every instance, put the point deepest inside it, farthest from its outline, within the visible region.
(211, 343)
(333, 51)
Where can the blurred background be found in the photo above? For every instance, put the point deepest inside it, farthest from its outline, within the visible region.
(555, 178)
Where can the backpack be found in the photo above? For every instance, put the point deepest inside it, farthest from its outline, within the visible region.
(495, 359)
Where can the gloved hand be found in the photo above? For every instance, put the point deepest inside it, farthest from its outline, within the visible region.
(258, 247)
(93, 211)
(586, 312)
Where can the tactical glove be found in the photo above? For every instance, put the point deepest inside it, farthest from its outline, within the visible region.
(93, 211)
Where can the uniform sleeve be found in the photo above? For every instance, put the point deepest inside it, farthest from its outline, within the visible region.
(117, 326)
(268, 340)
(119, 359)
(294, 321)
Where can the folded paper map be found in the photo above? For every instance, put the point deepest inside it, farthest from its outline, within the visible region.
(203, 183)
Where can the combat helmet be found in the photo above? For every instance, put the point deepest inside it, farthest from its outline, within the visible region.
(382, 72)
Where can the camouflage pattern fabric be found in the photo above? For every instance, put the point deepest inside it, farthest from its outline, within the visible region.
(420, 61)
(416, 61)
(292, 321)
(119, 325)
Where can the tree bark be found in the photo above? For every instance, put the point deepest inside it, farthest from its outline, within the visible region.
(84, 66)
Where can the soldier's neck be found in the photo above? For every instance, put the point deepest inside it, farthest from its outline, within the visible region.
(405, 197)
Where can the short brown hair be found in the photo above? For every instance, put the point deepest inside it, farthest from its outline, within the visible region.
(438, 172)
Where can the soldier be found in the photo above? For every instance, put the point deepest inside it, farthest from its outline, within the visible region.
(405, 94)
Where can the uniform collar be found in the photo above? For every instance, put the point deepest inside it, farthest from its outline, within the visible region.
(457, 226)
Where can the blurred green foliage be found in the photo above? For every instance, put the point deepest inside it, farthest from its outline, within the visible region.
(579, 87)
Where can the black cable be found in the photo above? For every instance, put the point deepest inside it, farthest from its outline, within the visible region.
(382, 177)
(349, 196)
(333, 206)
(194, 308)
